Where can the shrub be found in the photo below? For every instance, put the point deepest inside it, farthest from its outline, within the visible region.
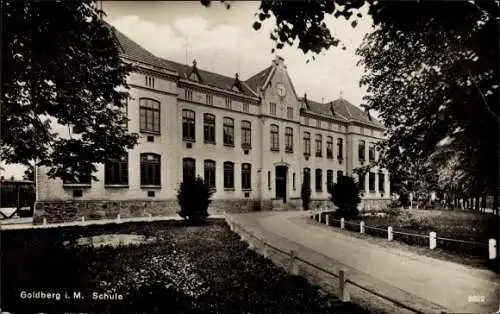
(305, 194)
(392, 210)
(345, 195)
(194, 198)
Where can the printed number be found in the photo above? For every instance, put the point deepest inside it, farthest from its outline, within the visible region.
(476, 298)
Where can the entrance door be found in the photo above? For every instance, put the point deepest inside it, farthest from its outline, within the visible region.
(281, 172)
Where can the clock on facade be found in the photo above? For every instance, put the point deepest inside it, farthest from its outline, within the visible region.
(280, 88)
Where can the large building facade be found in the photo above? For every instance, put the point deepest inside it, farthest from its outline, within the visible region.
(255, 141)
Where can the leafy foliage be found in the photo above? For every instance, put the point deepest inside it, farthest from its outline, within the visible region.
(61, 65)
(194, 199)
(345, 195)
(305, 194)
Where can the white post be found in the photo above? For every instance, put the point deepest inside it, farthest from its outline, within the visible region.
(118, 217)
(327, 220)
(432, 240)
(389, 233)
(342, 223)
(493, 248)
(362, 227)
(265, 251)
(250, 244)
(293, 263)
(344, 295)
(83, 218)
(319, 217)
(44, 220)
(150, 217)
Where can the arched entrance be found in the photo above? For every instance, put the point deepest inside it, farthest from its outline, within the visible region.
(281, 179)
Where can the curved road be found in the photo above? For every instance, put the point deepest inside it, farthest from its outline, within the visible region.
(445, 284)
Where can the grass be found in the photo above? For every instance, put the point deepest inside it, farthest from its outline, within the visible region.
(204, 269)
(465, 226)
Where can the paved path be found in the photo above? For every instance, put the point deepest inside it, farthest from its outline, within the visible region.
(446, 284)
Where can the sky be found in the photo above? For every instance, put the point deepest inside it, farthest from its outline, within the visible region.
(225, 42)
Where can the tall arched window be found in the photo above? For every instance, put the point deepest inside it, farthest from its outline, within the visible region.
(188, 125)
(149, 115)
(246, 134)
(228, 175)
(275, 144)
(307, 143)
(188, 169)
(150, 169)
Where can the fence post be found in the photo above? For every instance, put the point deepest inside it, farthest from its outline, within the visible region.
(150, 217)
(390, 235)
(342, 223)
(327, 220)
(44, 220)
(293, 263)
(319, 217)
(344, 295)
(362, 227)
(265, 251)
(251, 245)
(118, 217)
(83, 218)
(493, 248)
(432, 240)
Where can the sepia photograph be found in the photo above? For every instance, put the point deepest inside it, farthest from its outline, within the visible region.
(272, 156)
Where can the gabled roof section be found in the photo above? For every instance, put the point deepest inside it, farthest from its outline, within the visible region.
(237, 86)
(208, 78)
(195, 75)
(354, 113)
(134, 51)
(257, 81)
(323, 109)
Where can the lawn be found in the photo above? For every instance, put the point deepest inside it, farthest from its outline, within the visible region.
(169, 268)
(465, 226)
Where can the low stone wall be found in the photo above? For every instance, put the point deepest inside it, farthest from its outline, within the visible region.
(374, 204)
(66, 211)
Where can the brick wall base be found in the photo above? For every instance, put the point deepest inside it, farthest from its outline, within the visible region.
(66, 211)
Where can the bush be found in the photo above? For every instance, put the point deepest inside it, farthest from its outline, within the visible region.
(305, 194)
(392, 210)
(194, 198)
(345, 195)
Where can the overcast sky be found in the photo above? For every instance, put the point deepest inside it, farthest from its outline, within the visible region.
(224, 41)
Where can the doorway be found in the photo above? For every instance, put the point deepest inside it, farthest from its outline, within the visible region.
(281, 173)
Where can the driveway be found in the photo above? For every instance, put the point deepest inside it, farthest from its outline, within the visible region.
(448, 285)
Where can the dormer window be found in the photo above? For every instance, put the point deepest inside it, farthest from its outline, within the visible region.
(195, 75)
(150, 81)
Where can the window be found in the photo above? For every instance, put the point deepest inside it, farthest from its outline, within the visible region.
(307, 177)
(246, 107)
(293, 181)
(319, 145)
(188, 94)
(269, 180)
(188, 169)
(209, 99)
(116, 171)
(228, 175)
(209, 172)
(246, 134)
(318, 123)
(319, 178)
(329, 147)
(361, 150)
(306, 120)
(381, 182)
(289, 140)
(275, 146)
(228, 103)
(289, 112)
(150, 169)
(339, 174)
(84, 179)
(246, 176)
(371, 152)
(272, 109)
(361, 182)
(150, 81)
(188, 125)
(228, 131)
(329, 180)
(307, 143)
(209, 128)
(149, 115)
(340, 149)
(371, 181)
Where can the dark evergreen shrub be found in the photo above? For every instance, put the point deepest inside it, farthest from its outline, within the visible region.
(194, 198)
(305, 194)
(345, 195)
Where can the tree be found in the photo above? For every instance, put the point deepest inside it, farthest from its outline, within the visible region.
(345, 195)
(194, 199)
(437, 90)
(29, 173)
(305, 194)
(60, 63)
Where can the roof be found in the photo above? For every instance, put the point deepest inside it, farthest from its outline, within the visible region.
(257, 81)
(344, 111)
(208, 78)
